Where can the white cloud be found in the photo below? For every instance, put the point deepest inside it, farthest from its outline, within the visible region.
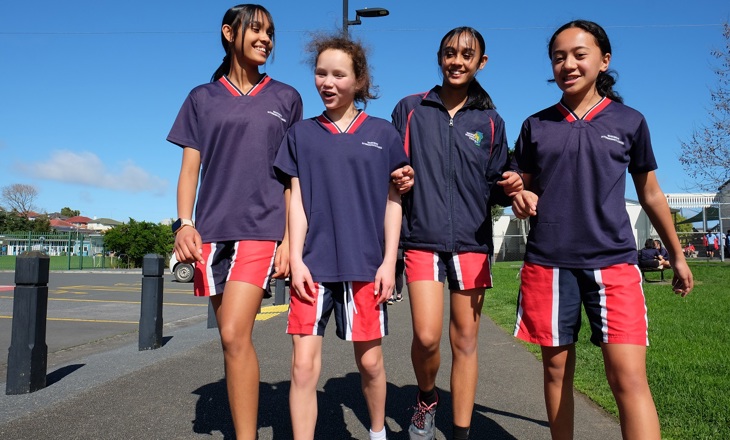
(87, 169)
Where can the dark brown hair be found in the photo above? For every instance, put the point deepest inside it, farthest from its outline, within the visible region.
(239, 17)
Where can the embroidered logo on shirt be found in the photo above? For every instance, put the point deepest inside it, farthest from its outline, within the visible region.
(476, 137)
(277, 114)
(610, 137)
(372, 144)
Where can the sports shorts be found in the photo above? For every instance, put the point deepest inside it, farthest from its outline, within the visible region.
(550, 299)
(250, 261)
(358, 316)
(464, 271)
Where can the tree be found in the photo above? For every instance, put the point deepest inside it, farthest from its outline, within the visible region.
(68, 212)
(19, 197)
(136, 239)
(705, 155)
(14, 222)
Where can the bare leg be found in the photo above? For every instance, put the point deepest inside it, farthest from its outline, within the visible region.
(626, 372)
(558, 365)
(466, 308)
(427, 311)
(369, 359)
(236, 311)
(305, 370)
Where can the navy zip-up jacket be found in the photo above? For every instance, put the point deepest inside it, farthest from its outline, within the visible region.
(457, 162)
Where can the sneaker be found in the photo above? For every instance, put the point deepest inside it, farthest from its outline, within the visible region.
(390, 301)
(398, 297)
(422, 422)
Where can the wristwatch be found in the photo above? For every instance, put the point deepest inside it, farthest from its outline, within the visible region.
(179, 223)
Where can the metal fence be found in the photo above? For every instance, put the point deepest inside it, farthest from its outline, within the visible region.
(703, 245)
(67, 251)
(694, 244)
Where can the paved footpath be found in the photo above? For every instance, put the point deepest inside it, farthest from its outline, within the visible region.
(178, 391)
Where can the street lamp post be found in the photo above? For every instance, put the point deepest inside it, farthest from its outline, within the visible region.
(367, 12)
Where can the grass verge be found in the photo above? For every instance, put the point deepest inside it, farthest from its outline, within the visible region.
(688, 362)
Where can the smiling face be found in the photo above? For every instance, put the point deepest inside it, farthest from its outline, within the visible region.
(253, 44)
(460, 58)
(335, 80)
(577, 60)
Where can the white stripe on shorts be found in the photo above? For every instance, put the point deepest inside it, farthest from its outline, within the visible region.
(209, 271)
(555, 318)
(602, 301)
(457, 268)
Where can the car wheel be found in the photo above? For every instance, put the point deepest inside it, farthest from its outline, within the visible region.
(184, 273)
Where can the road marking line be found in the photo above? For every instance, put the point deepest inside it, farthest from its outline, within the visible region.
(266, 313)
(113, 301)
(82, 320)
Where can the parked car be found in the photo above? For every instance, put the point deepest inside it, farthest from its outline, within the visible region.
(183, 272)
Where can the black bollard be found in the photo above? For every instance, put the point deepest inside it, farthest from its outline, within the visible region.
(280, 292)
(212, 321)
(28, 353)
(150, 318)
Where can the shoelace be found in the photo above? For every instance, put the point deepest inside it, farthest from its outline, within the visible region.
(419, 417)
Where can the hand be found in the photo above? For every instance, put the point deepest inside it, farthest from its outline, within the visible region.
(682, 282)
(281, 260)
(188, 246)
(384, 282)
(512, 183)
(524, 204)
(403, 179)
(302, 283)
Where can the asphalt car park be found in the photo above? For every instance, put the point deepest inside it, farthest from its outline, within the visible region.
(89, 310)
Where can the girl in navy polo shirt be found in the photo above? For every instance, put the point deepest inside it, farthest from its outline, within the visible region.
(344, 223)
(581, 249)
(230, 131)
(458, 149)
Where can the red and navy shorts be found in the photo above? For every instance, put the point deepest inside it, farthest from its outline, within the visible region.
(550, 299)
(464, 270)
(249, 261)
(358, 316)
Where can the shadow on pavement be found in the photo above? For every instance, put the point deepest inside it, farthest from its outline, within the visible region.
(340, 395)
(62, 372)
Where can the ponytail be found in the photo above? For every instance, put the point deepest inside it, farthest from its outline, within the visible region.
(223, 69)
(478, 97)
(604, 85)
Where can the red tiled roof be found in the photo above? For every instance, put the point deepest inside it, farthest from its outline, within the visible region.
(79, 219)
(56, 223)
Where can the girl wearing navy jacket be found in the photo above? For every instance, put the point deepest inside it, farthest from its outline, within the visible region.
(574, 156)
(230, 130)
(458, 149)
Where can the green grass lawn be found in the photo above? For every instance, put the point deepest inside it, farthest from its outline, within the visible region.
(7, 262)
(688, 361)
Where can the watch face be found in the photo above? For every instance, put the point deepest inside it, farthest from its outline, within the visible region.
(176, 225)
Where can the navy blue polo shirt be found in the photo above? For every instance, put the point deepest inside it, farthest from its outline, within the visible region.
(578, 169)
(344, 179)
(238, 135)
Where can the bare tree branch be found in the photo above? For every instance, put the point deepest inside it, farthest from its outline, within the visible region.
(20, 197)
(705, 155)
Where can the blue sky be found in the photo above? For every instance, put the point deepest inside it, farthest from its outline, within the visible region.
(89, 89)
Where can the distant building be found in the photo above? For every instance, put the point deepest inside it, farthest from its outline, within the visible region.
(102, 224)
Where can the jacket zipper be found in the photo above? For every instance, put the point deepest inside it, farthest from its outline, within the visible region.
(450, 182)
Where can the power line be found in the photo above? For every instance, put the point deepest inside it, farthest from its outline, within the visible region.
(501, 28)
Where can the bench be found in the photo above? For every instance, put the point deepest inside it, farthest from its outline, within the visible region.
(644, 270)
